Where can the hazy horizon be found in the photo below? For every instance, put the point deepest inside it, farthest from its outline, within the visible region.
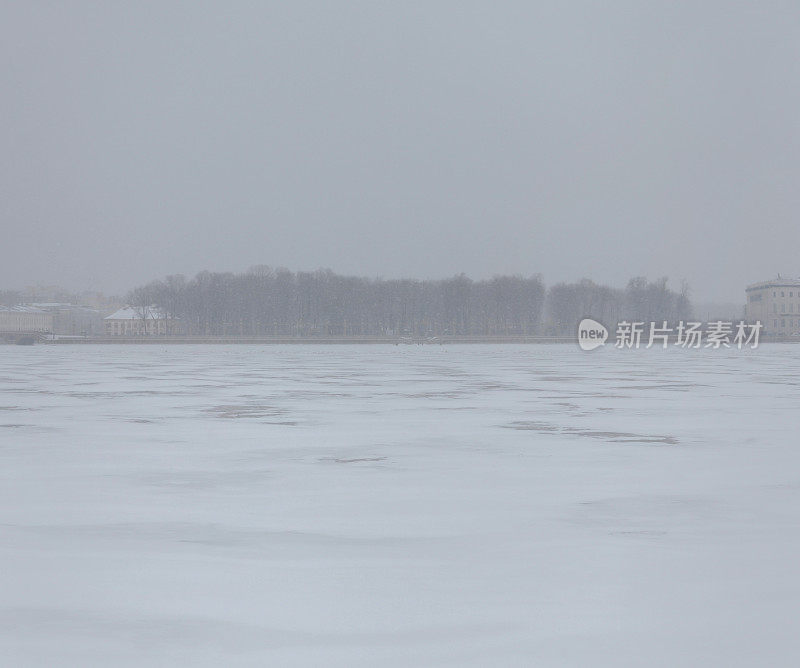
(411, 140)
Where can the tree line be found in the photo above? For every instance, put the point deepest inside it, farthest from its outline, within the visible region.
(279, 302)
(640, 301)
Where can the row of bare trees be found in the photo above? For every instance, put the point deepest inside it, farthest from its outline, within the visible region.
(267, 302)
(279, 302)
(640, 301)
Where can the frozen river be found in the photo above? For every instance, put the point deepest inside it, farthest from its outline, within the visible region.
(399, 506)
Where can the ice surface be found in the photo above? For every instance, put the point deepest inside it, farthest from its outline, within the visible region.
(399, 506)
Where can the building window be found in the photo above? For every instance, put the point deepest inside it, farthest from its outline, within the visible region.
(783, 323)
(775, 324)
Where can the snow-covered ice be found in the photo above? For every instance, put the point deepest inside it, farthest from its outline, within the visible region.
(399, 506)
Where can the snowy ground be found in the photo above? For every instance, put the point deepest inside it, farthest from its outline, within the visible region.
(399, 506)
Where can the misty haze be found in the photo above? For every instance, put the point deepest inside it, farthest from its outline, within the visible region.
(399, 334)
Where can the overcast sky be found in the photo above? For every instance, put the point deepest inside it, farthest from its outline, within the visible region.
(417, 139)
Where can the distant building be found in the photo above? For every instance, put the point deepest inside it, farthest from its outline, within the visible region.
(776, 304)
(25, 319)
(130, 321)
(73, 320)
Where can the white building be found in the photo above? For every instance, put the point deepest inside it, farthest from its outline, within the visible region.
(25, 319)
(131, 321)
(776, 304)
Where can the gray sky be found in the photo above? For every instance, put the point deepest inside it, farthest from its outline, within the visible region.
(400, 139)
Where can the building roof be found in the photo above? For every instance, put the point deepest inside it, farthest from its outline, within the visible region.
(775, 283)
(52, 307)
(130, 313)
(22, 308)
